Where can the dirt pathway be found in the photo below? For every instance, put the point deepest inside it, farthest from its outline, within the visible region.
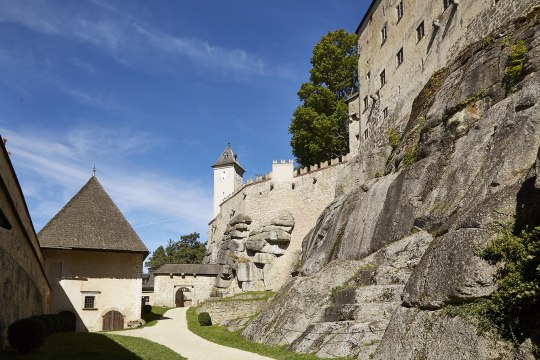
(173, 333)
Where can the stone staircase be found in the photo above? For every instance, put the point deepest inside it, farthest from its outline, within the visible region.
(358, 313)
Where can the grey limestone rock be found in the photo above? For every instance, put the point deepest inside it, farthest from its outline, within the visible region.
(240, 218)
(440, 278)
(475, 166)
(248, 272)
(284, 219)
(262, 258)
(236, 245)
(432, 335)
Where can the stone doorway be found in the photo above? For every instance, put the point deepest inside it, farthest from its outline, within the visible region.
(180, 297)
(113, 320)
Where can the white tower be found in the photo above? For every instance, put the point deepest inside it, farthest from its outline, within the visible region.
(228, 176)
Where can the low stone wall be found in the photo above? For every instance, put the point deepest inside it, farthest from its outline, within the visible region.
(224, 311)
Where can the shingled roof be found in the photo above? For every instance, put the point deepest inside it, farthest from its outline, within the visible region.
(91, 220)
(198, 269)
(228, 157)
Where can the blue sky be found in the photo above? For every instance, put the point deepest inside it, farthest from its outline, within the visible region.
(150, 92)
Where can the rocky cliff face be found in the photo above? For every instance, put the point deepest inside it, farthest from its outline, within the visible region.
(247, 255)
(391, 252)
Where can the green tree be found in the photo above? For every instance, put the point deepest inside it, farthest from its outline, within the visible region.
(319, 124)
(187, 250)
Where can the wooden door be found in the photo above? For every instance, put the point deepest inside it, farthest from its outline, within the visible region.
(113, 320)
(179, 298)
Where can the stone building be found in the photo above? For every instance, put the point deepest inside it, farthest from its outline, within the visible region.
(183, 285)
(94, 260)
(148, 289)
(402, 43)
(24, 287)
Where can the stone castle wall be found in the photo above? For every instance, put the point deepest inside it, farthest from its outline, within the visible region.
(304, 195)
(446, 33)
(165, 287)
(24, 291)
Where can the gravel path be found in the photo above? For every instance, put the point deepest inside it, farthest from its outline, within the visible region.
(174, 334)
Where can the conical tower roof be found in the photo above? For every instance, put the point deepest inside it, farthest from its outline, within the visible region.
(227, 158)
(91, 220)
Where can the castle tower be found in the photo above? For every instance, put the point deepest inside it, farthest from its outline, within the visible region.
(228, 176)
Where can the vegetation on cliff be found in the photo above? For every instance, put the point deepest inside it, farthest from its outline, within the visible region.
(515, 306)
(319, 125)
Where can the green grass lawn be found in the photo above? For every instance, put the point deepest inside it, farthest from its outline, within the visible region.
(152, 317)
(93, 346)
(220, 335)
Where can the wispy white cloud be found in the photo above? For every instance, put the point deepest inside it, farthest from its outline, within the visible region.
(99, 100)
(132, 41)
(53, 170)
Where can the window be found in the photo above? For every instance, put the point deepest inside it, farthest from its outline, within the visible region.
(146, 299)
(366, 103)
(384, 34)
(420, 32)
(399, 57)
(399, 9)
(366, 134)
(447, 3)
(89, 301)
(385, 113)
(368, 75)
(383, 78)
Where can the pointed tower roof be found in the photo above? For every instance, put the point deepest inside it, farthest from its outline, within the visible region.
(228, 157)
(91, 220)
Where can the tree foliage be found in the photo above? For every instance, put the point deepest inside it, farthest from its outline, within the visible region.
(319, 124)
(187, 250)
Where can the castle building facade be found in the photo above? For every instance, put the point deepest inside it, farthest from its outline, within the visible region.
(94, 261)
(401, 44)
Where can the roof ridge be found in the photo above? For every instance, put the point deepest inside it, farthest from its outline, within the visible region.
(91, 220)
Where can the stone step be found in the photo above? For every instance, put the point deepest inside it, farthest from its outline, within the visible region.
(366, 312)
(339, 339)
(367, 294)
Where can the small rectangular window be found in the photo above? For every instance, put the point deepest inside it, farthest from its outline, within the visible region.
(399, 9)
(146, 299)
(384, 33)
(399, 57)
(420, 32)
(385, 113)
(89, 302)
(366, 103)
(383, 78)
(366, 134)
